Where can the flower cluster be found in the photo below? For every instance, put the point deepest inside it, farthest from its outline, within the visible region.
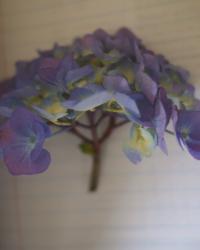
(115, 74)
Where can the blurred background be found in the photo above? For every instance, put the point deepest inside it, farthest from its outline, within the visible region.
(152, 206)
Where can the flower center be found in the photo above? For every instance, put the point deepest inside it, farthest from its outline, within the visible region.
(32, 141)
(184, 133)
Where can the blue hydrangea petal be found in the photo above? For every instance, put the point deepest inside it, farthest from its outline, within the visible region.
(48, 70)
(167, 104)
(54, 71)
(194, 149)
(79, 73)
(132, 154)
(26, 72)
(22, 121)
(146, 109)
(105, 39)
(66, 65)
(141, 143)
(160, 121)
(48, 116)
(148, 87)
(152, 65)
(84, 99)
(127, 43)
(191, 121)
(187, 131)
(21, 141)
(19, 162)
(117, 84)
(127, 103)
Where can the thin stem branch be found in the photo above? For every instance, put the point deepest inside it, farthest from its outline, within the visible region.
(108, 130)
(119, 124)
(91, 119)
(59, 131)
(80, 124)
(169, 132)
(101, 118)
(80, 135)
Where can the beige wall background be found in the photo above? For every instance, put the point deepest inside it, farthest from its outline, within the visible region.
(153, 206)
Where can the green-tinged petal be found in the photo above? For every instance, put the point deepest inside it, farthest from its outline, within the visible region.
(127, 70)
(188, 101)
(49, 106)
(113, 106)
(90, 97)
(57, 119)
(142, 142)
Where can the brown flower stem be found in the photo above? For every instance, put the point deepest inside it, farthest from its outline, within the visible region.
(95, 173)
(96, 141)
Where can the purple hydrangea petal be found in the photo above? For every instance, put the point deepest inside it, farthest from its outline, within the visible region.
(163, 145)
(54, 71)
(19, 161)
(160, 121)
(128, 103)
(48, 70)
(22, 121)
(194, 149)
(94, 87)
(145, 107)
(187, 131)
(66, 65)
(117, 84)
(105, 38)
(41, 163)
(26, 72)
(190, 121)
(148, 87)
(174, 122)
(79, 73)
(21, 141)
(152, 66)
(127, 43)
(83, 99)
(46, 115)
(7, 86)
(167, 104)
(151, 62)
(132, 155)
(93, 101)
(90, 42)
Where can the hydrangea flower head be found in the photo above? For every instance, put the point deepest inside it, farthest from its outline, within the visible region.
(114, 75)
